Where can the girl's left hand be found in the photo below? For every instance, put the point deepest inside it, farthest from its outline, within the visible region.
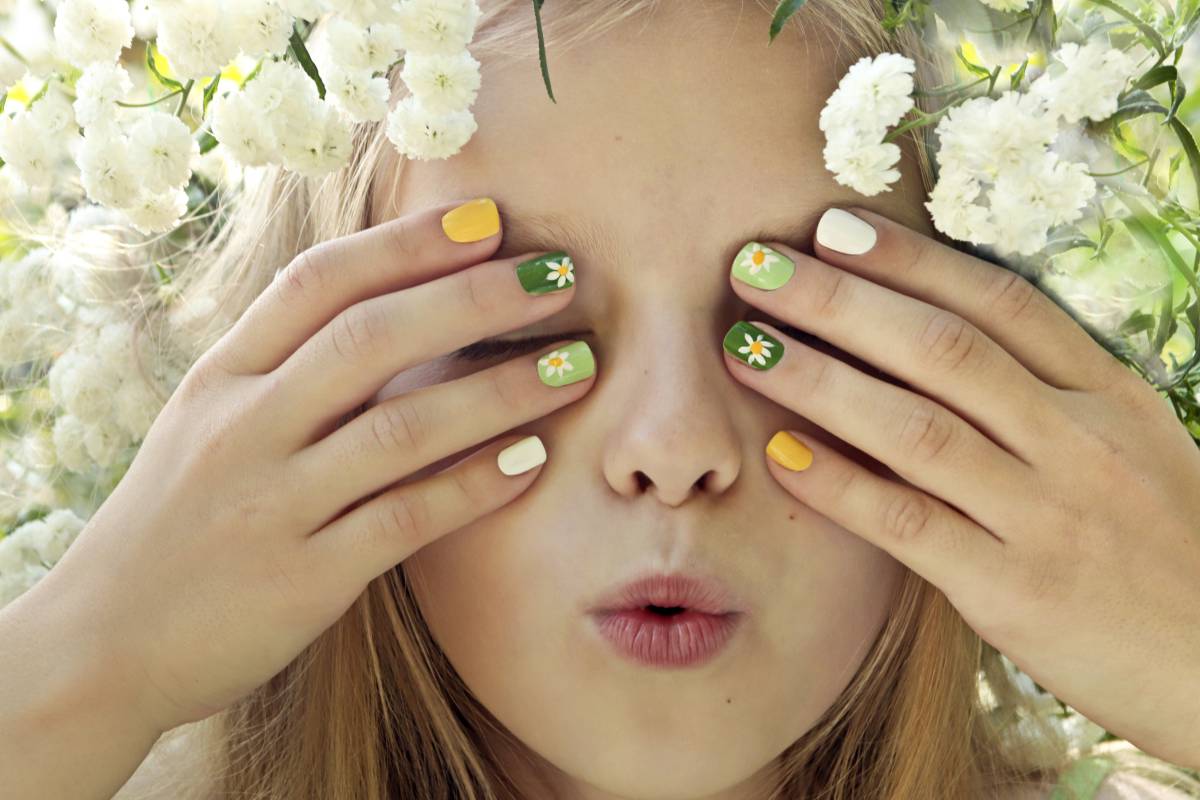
(1049, 492)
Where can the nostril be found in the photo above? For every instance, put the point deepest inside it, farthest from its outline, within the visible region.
(643, 480)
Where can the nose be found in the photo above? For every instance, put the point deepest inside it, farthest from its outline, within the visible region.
(674, 436)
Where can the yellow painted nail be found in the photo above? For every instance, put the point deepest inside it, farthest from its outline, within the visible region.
(473, 220)
(788, 451)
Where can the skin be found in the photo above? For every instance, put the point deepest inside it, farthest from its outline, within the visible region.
(669, 176)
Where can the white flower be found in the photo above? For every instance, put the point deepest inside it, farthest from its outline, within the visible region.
(562, 271)
(157, 212)
(437, 26)
(418, 133)
(985, 136)
(161, 148)
(866, 167)
(106, 170)
(83, 386)
(241, 127)
(260, 27)
(46, 539)
(1007, 5)
(758, 350)
(15, 583)
(363, 97)
(196, 38)
(954, 211)
(53, 113)
(136, 406)
(444, 83)
(758, 258)
(878, 90)
(354, 47)
(321, 146)
(68, 434)
(364, 12)
(26, 151)
(87, 31)
(556, 363)
(104, 441)
(304, 9)
(1095, 75)
(97, 91)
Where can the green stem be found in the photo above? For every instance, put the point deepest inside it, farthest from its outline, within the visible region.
(164, 98)
(187, 89)
(7, 45)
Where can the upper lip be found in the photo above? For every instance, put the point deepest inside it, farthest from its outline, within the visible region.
(703, 594)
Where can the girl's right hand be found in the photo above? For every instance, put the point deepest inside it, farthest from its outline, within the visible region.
(249, 522)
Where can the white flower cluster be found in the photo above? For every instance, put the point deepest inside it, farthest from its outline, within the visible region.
(873, 95)
(31, 550)
(1000, 180)
(105, 404)
(139, 157)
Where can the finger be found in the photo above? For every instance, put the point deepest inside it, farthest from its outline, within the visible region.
(332, 275)
(409, 431)
(937, 542)
(931, 349)
(375, 536)
(1000, 302)
(368, 344)
(917, 438)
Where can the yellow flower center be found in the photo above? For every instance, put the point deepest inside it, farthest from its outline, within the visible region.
(757, 257)
(562, 270)
(556, 362)
(756, 348)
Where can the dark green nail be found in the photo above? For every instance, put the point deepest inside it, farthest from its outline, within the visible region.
(753, 346)
(552, 272)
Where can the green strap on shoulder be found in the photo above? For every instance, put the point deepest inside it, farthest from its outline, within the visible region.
(1081, 780)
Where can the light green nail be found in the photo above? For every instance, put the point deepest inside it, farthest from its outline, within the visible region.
(762, 267)
(567, 364)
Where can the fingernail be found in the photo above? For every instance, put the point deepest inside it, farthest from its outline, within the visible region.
(762, 267)
(788, 451)
(842, 231)
(521, 456)
(549, 273)
(473, 220)
(753, 345)
(567, 365)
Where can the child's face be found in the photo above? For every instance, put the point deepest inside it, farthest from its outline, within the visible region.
(675, 140)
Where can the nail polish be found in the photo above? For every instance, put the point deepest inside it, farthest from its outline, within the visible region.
(789, 452)
(552, 272)
(473, 220)
(752, 345)
(844, 232)
(762, 267)
(567, 365)
(521, 456)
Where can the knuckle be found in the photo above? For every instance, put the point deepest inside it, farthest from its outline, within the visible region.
(949, 342)
(504, 388)
(357, 333)
(404, 243)
(906, 516)
(832, 294)
(818, 371)
(926, 433)
(469, 488)
(303, 277)
(404, 514)
(911, 254)
(479, 300)
(1010, 297)
(400, 427)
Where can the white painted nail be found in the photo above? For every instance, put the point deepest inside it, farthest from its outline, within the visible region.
(842, 231)
(522, 456)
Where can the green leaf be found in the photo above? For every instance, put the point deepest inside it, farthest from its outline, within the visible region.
(783, 13)
(164, 80)
(1147, 30)
(209, 91)
(300, 51)
(1015, 80)
(207, 142)
(537, 16)
(1160, 74)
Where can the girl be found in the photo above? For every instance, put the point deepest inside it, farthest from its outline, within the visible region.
(308, 589)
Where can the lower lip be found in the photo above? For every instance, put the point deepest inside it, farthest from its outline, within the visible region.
(658, 640)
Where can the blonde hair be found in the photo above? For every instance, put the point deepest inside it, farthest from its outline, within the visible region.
(373, 709)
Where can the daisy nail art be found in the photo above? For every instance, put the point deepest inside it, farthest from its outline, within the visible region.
(753, 346)
(762, 267)
(567, 365)
(549, 273)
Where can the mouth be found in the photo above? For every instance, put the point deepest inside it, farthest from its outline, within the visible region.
(668, 620)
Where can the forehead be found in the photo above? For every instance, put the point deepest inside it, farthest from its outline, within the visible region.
(668, 127)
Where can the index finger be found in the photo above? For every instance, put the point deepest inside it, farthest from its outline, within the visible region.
(333, 275)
